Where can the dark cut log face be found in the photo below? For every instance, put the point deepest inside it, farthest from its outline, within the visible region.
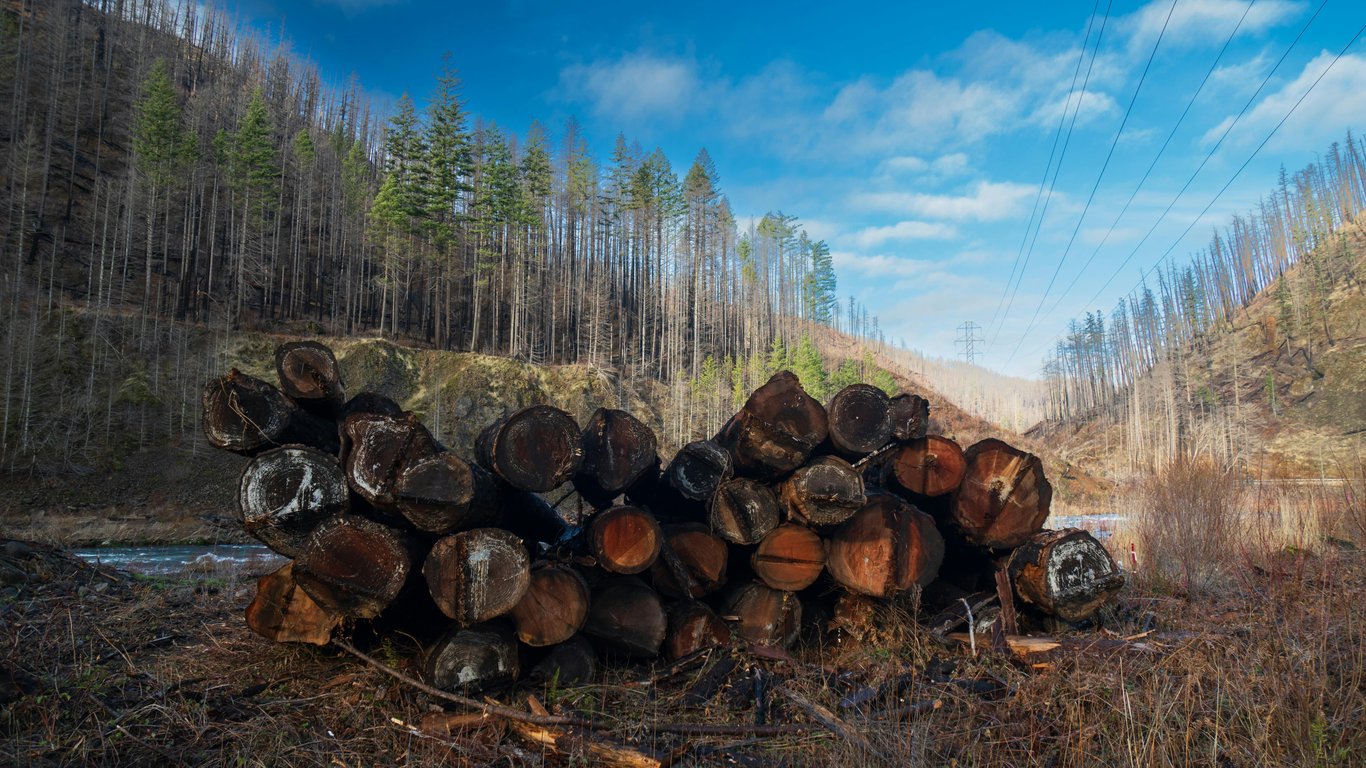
(776, 430)
(701, 553)
(377, 449)
(743, 511)
(573, 662)
(626, 616)
(765, 616)
(536, 449)
(1004, 497)
(929, 466)
(860, 420)
(286, 492)
(1066, 573)
(885, 548)
(699, 469)
(372, 402)
(353, 566)
(283, 613)
(308, 371)
(243, 414)
(625, 539)
(477, 575)
(444, 493)
(693, 627)
(473, 658)
(824, 492)
(554, 607)
(618, 449)
(791, 558)
(910, 416)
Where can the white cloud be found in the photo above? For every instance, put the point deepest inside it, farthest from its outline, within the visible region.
(1204, 22)
(637, 86)
(903, 230)
(881, 265)
(988, 201)
(353, 7)
(1336, 104)
(1088, 106)
(945, 165)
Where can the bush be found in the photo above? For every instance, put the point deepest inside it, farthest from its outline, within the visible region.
(1186, 522)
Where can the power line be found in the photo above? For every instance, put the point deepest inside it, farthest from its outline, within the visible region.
(1052, 184)
(1099, 177)
(1057, 134)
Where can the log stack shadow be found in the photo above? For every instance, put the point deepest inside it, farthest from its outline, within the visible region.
(794, 508)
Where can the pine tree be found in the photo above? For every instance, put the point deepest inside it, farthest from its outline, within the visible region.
(161, 143)
(810, 368)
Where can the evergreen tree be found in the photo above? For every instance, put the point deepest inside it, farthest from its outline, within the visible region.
(161, 143)
(810, 368)
(819, 288)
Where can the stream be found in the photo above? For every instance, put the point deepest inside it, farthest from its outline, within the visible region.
(181, 559)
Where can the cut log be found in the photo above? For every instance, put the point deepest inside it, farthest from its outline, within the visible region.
(698, 469)
(885, 548)
(824, 492)
(371, 402)
(1066, 573)
(377, 449)
(776, 430)
(701, 553)
(910, 416)
(477, 575)
(692, 628)
(624, 539)
(535, 449)
(765, 616)
(246, 415)
(618, 449)
(554, 606)
(627, 617)
(353, 566)
(534, 519)
(742, 511)
(283, 613)
(860, 420)
(284, 493)
(309, 373)
(855, 617)
(473, 658)
(929, 466)
(790, 558)
(444, 493)
(573, 662)
(1004, 497)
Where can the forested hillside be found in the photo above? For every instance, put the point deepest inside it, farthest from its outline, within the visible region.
(1255, 345)
(168, 178)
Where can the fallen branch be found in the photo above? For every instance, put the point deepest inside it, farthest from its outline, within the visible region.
(833, 723)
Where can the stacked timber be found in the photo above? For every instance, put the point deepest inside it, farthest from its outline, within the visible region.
(791, 508)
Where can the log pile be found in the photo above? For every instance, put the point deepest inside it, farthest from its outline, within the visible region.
(794, 509)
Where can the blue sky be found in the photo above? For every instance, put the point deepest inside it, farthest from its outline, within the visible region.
(912, 137)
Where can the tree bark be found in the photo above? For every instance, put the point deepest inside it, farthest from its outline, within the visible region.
(627, 617)
(1066, 573)
(885, 548)
(284, 493)
(765, 616)
(618, 449)
(477, 575)
(776, 430)
(1004, 497)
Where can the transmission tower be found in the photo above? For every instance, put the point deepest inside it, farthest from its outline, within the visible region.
(968, 340)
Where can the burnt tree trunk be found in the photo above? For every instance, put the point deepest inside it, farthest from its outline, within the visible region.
(860, 420)
(777, 429)
(554, 606)
(377, 449)
(246, 415)
(692, 628)
(743, 511)
(477, 575)
(284, 613)
(1004, 497)
(764, 616)
(790, 558)
(702, 554)
(284, 493)
(353, 566)
(1066, 573)
(627, 617)
(885, 548)
(309, 373)
(618, 449)
(473, 658)
(535, 449)
(929, 466)
(624, 539)
(444, 493)
(824, 492)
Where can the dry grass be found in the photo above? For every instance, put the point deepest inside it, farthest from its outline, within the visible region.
(1268, 667)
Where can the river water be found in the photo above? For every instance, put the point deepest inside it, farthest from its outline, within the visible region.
(169, 560)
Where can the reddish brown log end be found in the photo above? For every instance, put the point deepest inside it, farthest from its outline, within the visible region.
(929, 466)
(283, 613)
(704, 556)
(554, 606)
(1004, 497)
(765, 616)
(790, 558)
(885, 548)
(535, 449)
(624, 539)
